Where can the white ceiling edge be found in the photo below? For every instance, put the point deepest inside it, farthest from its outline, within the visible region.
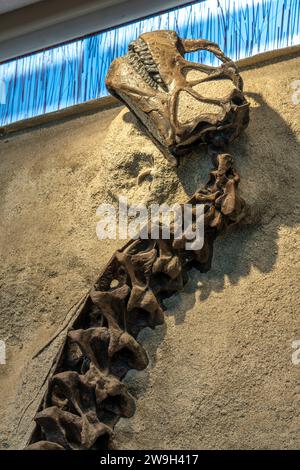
(64, 28)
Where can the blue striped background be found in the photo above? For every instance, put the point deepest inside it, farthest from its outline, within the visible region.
(75, 72)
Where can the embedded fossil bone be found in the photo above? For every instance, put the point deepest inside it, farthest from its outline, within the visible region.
(152, 77)
(79, 390)
(45, 445)
(166, 262)
(60, 427)
(86, 396)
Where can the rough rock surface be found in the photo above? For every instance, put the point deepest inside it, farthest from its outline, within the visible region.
(221, 374)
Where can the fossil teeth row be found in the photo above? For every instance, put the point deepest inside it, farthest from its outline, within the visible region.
(139, 66)
(140, 58)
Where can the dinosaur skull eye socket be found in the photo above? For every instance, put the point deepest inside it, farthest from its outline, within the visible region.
(178, 101)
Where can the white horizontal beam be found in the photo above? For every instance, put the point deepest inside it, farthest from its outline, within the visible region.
(50, 22)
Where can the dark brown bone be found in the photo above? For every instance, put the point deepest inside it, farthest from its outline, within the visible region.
(80, 393)
(45, 445)
(60, 427)
(85, 396)
(150, 78)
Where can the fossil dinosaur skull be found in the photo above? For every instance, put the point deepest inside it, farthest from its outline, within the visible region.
(178, 101)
